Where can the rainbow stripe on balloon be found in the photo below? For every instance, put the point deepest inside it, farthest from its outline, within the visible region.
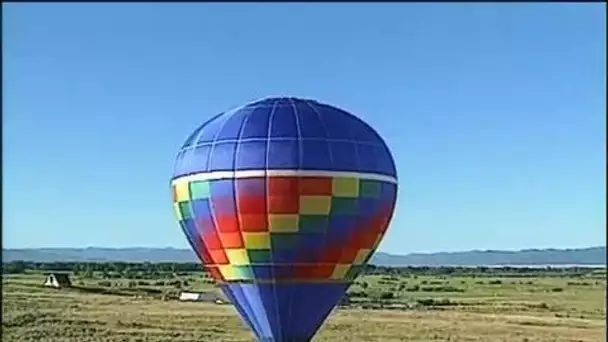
(282, 226)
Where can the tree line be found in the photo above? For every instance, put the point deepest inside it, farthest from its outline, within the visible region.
(158, 269)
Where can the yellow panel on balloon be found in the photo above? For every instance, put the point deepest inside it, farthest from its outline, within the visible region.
(256, 240)
(361, 256)
(315, 205)
(283, 223)
(340, 271)
(345, 187)
(182, 191)
(237, 257)
(227, 272)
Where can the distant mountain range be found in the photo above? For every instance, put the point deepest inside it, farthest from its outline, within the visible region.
(582, 256)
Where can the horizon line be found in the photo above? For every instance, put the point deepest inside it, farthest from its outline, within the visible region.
(374, 252)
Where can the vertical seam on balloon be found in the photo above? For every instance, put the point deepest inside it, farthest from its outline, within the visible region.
(238, 215)
(211, 197)
(267, 214)
(198, 230)
(184, 150)
(346, 247)
(298, 134)
(200, 134)
(331, 162)
(234, 186)
(300, 162)
(331, 159)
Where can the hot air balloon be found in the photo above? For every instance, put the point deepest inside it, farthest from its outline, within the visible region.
(284, 201)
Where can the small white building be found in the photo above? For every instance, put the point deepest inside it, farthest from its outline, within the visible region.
(57, 280)
(207, 297)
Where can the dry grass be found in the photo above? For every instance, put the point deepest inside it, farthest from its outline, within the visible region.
(32, 313)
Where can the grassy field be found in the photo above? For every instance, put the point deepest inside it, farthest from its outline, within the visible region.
(420, 308)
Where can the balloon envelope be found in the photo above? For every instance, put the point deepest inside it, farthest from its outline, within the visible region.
(284, 200)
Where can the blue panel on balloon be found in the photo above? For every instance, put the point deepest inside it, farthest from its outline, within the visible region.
(194, 159)
(287, 126)
(283, 154)
(232, 127)
(316, 155)
(189, 229)
(338, 124)
(310, 122)
(284, 124)
(285, 312)
(251, 155)
(211, 128)
(222, 157)
(192, 138)
(256, 128)
(345, 157)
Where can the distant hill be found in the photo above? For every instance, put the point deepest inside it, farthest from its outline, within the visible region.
(583, 256)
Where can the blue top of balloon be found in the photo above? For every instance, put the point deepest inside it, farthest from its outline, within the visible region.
(285, 133)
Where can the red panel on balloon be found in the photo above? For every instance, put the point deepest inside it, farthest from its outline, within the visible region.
(212, 240)
(247, 204)
(227, 223)
(215, 273)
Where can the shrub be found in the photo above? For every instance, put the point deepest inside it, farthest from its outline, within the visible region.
(387, 295)
(414, 288)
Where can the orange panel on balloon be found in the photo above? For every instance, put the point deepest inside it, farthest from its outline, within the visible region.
(283, 186)
(321, 271)
(232, 240)
(368, 239)
(316, 186)
(331, 253)
(283, 204)
(302, 271)
(218, 257)
(349, 253)
(254, 223)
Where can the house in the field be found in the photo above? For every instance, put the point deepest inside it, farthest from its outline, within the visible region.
(206, 297)
(57, 280)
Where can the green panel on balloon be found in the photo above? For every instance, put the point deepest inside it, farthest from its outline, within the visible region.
(313, 223)
(343, 206)
(283, 240)
(369, 188)
(199, 189)
(184, 208)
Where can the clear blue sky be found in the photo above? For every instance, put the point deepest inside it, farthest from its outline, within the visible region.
(495, 113)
